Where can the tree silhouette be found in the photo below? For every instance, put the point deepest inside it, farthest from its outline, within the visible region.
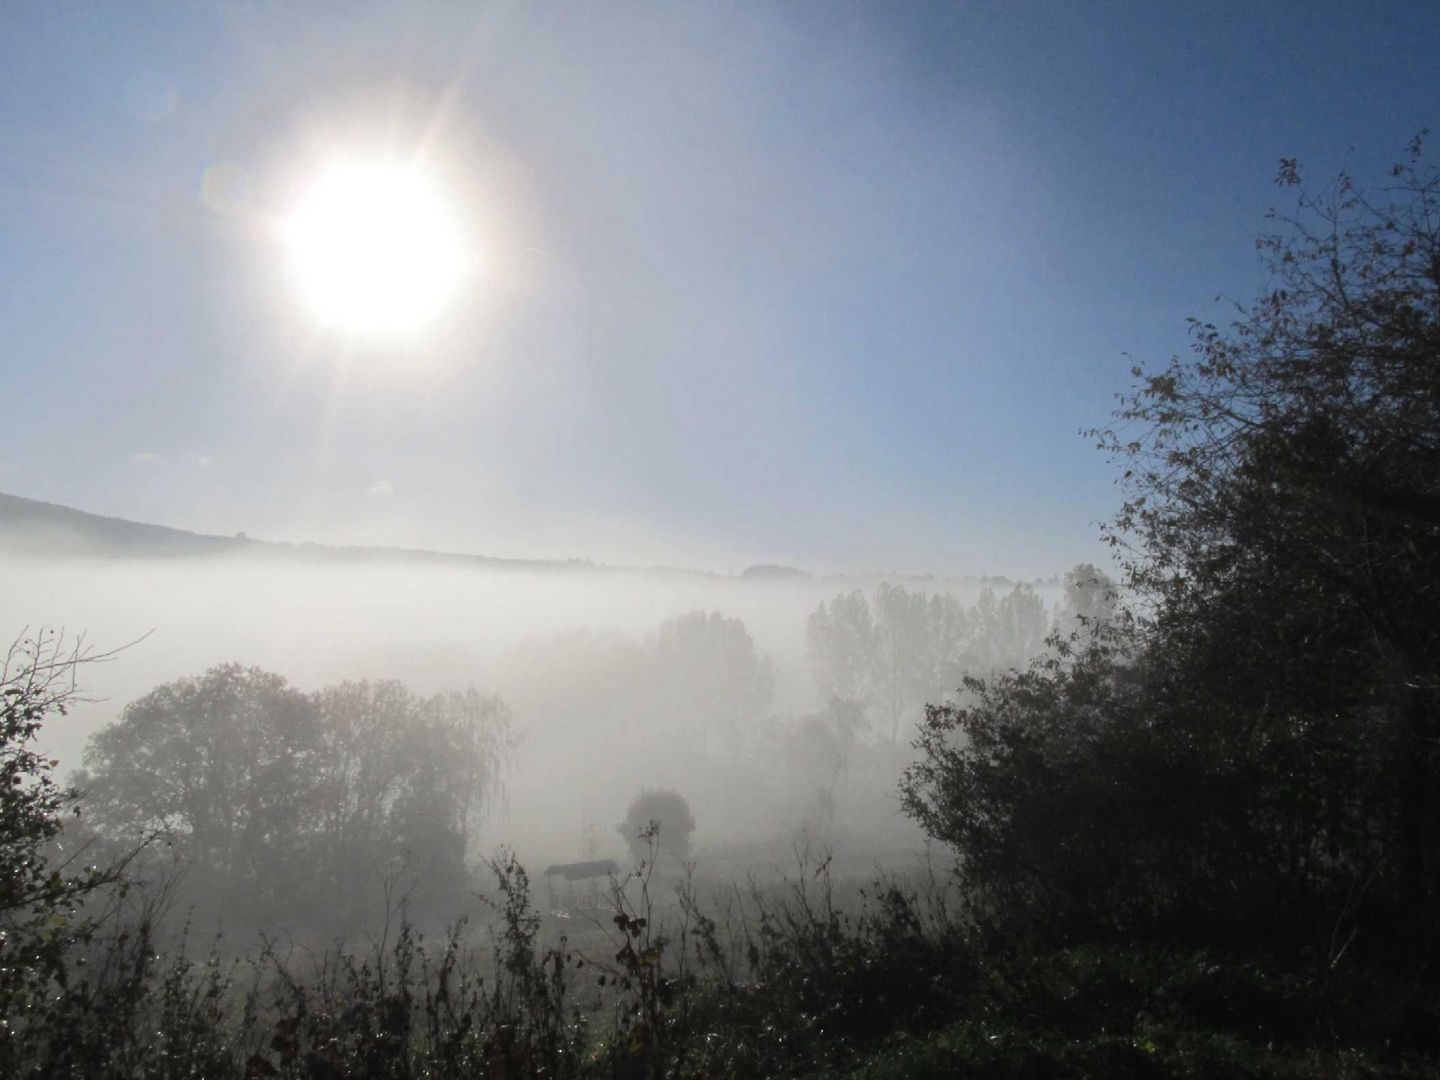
(1253, 761)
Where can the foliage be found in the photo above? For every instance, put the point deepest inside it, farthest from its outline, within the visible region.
(222, 766)
(1091, 601)
(1100, 797)
(43, 888)
(696, 687)
(714, 685)
(1284, 513)
(817, 753)
(284, 799)
(1146, 1012)
(842, 640)
(398, 1009)
(769, 986)
(1253, 764)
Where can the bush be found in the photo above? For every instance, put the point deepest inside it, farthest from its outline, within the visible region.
(662, 815)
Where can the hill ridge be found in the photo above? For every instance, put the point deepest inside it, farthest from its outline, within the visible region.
(33, 528)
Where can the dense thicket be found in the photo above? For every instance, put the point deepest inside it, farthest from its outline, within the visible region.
(1254, 761)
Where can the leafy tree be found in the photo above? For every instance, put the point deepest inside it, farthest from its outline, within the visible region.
(1256, 759)
(713, 678)
(951, 627)
(1295, 463)
(1091, 600)
(224, 766)
(889, 654)
(1122, 790)
(1027, 785)
(457, 751)
(277, 799)
(817, 752)
(842, 640)
(910, 632)
(1006, 632)
(404, 778)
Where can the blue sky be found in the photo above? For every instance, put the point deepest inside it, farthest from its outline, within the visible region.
(835, 285)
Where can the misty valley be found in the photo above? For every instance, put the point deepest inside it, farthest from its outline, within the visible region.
(418, 748)
(344, 728)
(710, 541)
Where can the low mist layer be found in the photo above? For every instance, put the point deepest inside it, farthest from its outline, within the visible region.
(779, 704)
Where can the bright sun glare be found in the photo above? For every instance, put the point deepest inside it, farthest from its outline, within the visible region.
(374, 249)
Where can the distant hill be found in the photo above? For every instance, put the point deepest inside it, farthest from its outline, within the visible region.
(30, 528)
(33, 529)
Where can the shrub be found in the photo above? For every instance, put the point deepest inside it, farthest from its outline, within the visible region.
(42, 898)
(667, 815)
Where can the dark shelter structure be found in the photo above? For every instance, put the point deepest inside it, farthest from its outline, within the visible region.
(579, 871)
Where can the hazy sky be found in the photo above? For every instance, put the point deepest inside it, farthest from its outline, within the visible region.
(827, 284)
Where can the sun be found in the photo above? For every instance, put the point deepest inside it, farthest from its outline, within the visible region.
(374, 249)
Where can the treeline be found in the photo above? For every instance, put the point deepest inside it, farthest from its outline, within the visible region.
(880, 659)
(264, 804)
